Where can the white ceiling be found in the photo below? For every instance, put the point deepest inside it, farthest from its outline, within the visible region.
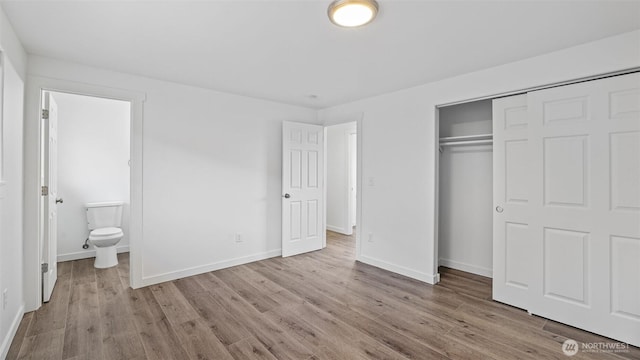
(288, 50)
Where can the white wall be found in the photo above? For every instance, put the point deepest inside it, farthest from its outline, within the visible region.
(465, 218)
(399, 148)
(11, 202)
(211, 167)
(339, 163)
(93, 155)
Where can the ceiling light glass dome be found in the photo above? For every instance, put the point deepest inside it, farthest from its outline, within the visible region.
(352, 13)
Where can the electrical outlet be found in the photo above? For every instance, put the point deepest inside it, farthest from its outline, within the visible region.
(238, 237)
(370, 237)
(5, 298)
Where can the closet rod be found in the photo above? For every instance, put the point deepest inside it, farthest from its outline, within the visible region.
(467, 142)
(466, 137)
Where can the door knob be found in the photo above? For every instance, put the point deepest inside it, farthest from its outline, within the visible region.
(499, 209)
(286, 196)
(59, 200)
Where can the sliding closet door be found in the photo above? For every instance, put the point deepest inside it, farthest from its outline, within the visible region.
(584, 204)
(512, 262)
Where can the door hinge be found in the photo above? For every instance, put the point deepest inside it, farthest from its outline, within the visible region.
(44, 267)
(45, 191)
(45, 114)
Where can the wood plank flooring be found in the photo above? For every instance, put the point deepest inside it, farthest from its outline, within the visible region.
(321, 305)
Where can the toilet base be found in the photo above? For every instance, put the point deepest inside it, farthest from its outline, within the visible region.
(106, 257)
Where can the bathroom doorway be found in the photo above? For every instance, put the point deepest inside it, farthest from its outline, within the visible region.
(341, 175)
(85, 158)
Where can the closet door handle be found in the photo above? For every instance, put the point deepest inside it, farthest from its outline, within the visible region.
(499, 209)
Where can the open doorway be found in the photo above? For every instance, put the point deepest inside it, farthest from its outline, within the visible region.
(85, 169)
(33, 174)
(341, 155)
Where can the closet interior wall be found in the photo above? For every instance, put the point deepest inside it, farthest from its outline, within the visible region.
(465, 239)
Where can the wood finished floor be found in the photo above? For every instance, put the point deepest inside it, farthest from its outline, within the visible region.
(321, 305)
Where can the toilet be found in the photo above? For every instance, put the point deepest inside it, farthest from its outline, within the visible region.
(104, 220)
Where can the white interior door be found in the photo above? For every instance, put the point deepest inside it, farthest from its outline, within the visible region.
(585, 205)
(512, 262)
(50, 194)
(302, 188)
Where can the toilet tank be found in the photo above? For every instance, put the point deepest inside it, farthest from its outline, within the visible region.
(104, 214)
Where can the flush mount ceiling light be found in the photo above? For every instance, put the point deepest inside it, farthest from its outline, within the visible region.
(352, 13)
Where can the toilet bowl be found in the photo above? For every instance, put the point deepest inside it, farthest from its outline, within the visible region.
(105, 241)
(104, 220)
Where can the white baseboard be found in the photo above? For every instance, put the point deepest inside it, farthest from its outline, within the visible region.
(6, 342)
(474, 269)
(339, 230)
(174, 275)
(418, 275)
(87, 254)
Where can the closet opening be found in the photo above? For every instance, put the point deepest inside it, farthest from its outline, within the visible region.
(465, 190)
(560, 239)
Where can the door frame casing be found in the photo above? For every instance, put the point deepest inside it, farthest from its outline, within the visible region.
(352, 135)
(33, 231)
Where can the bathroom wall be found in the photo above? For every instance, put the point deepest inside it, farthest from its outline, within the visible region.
(93, 155)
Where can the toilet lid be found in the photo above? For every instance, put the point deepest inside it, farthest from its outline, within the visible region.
(108, 231)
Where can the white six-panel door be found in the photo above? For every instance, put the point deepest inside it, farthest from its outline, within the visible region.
(567, 242)
(50, 180)
(585, 220)
(512, 246)
(302, 188)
